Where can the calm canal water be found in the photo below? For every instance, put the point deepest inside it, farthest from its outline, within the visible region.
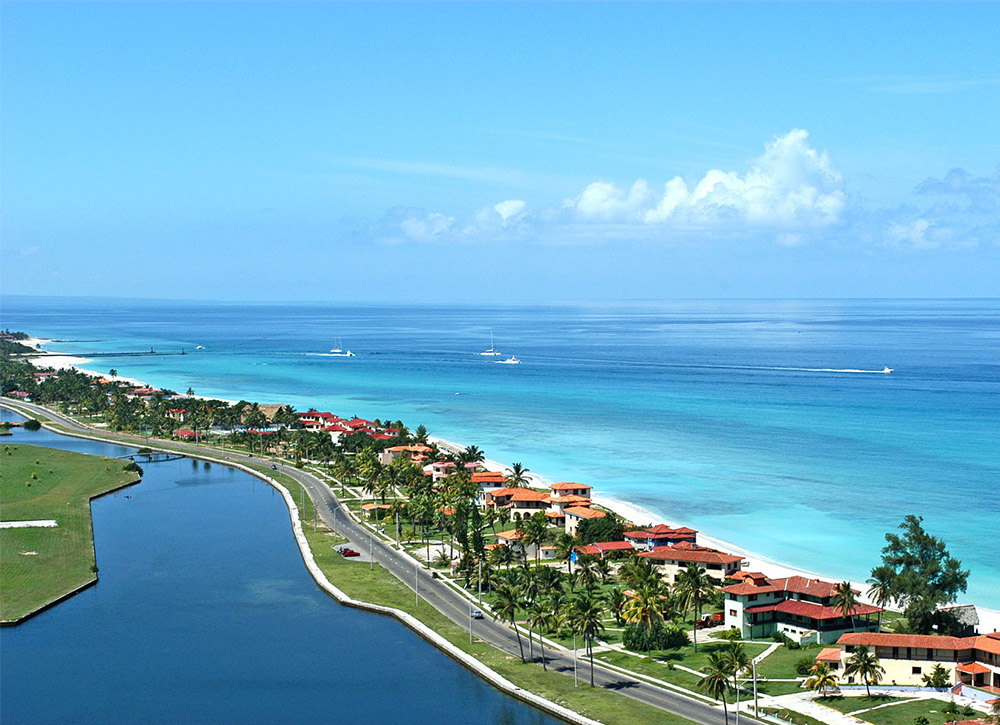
(205, 613)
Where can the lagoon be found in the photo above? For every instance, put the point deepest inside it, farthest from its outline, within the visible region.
(205, 612)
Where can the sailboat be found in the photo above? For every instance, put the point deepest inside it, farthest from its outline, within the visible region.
(339, 351)
(492, 352)
(509, 361)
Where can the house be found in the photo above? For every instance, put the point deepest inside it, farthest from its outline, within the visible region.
(489, 479)
(178, 414)
(969, 661)
(576, 514)
(439, 469)
(966, 617)
(374, 510)
(660, 535)
(800, 607)
(511, 538)
(559, 504)
(316, 420)
(568, 488)
(603, 549)
(417, 453)
(184, 433)
(673, 559)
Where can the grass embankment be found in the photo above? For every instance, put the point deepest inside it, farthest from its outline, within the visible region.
(791, 716)
(40, 565)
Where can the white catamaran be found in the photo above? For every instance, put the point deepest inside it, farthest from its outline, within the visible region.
(339, 351)
(492, 352)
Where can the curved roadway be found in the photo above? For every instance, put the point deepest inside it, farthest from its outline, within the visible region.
(441, 596)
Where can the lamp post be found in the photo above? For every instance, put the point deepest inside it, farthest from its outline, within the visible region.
(755, 713)
(416, 584)
(576, 682)
(371, 550)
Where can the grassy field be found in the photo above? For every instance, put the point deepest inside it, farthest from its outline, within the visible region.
(907, 712)
(793, 717)
(781, 663)
(39, 565)
(850, 704)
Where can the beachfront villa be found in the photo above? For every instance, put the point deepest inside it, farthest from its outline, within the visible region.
(972, 663)
(606, 549)
(660, 535)
(799, 607)
(672, 560)
(577, 514)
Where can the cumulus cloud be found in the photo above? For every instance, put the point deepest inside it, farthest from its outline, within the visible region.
(791, 186)
(510, 210)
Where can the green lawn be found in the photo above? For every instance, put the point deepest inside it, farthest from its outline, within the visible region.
(781, 663)
(850, 704)
(791, 716)
(775, 688)
(907, 712)
(39, 565)
(656, 669)
(696, 660)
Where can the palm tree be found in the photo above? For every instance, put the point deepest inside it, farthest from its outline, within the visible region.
(822, 679)
(518, 476)
(586, 570)
(739, 660)
(502, 555)
(534, 531)
(565, 543)
(864, 663)
(615, 600)
(715, 683)
(693, 587)
(505, 605)
(644, 610)
(880, 588)
(587, 614)
(845, 600)
(541, 618)
(472, 454)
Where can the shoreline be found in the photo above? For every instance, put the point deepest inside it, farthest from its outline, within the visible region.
(772, 568)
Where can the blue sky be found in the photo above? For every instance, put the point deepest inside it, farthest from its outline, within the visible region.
(500, 152)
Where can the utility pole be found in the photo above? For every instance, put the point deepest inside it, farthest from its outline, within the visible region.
(416, 584)
(755, 714)
(576, 682)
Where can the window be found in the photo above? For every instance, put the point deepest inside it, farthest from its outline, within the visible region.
(916, 670)
(732, 612)
(752, 598)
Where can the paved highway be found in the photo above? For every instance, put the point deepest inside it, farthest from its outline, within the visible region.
(441, 596)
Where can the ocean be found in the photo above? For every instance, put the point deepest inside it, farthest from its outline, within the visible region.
(753, 421)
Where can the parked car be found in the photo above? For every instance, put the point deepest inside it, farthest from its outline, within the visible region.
(349, 552)
(476, 614)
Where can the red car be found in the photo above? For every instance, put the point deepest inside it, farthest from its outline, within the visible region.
(349, 552)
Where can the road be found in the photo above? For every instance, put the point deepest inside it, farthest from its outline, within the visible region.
(442, 597)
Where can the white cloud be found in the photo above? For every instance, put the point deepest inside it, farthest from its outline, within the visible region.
(509, 210)
(913, 234)
(427, 227)
(791, 186)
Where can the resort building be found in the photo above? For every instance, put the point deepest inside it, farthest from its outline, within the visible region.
(576, 514)
(568, 488)
(603, 549)
(672, 560)
(799, 607)
(971, 662)
(660, 535)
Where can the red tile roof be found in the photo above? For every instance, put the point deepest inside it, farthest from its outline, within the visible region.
(568, 486)
(555, 515)
(811, 609)
(488, 477)
(973, 668)
(527, 494)
(922, 641)
(585, 513)
(795, 584)
(698, 555)
(511, 535)
(829, 654)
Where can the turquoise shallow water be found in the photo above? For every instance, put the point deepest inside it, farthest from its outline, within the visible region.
(724, 416)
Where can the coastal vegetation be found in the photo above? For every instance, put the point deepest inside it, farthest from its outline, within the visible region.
(918, 573)
(40, 565)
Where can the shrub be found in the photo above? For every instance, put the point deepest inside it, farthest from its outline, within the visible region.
(669, 636)
(804, 665)
(732, 634)
(31, 424)
(133, 466)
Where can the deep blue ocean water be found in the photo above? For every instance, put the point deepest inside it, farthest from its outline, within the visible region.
(204, 612)
(721, 415)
